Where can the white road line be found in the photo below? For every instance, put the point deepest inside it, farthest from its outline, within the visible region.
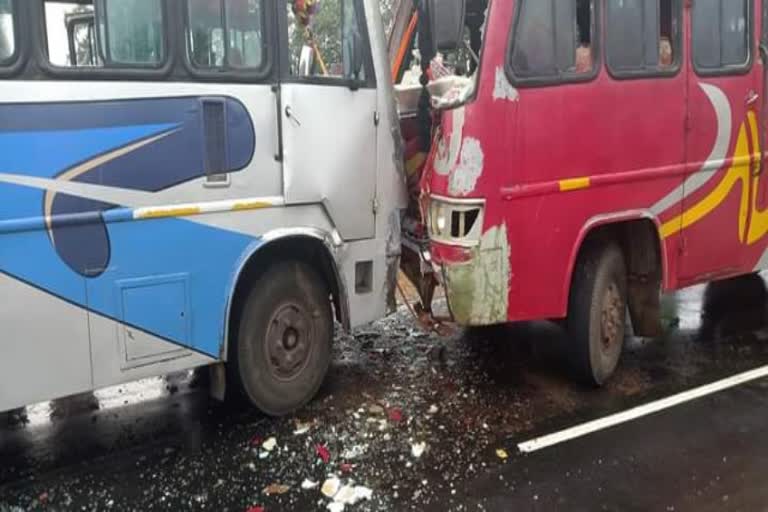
(640, 411)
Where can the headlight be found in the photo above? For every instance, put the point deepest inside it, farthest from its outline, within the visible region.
(456, 221)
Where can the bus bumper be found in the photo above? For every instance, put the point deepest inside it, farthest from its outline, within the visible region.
(476, 279)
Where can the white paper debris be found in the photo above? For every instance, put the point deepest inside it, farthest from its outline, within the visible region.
(331, 487)
(417, 449)
(269, 444)
(302, 428)
(308, 484)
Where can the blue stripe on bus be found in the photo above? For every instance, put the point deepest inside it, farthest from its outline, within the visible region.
(90, 257)
(150, 248)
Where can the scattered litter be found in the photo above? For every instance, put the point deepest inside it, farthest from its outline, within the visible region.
(323, 453)
(502, 454)
(363, 493)
(301, 428)
(376, 409)
(263, 455)
(354, 452)
(347, 468)
(308, 484)
(395, 415)
(433, 409)
(276, 489)
(255, 508)
(269, 444)
(335, 506)
(417, 449)
(346, 495)
(331, 487)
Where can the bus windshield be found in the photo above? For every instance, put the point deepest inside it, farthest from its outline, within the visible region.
(452, 75)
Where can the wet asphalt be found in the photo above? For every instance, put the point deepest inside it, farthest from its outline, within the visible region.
(423, 422)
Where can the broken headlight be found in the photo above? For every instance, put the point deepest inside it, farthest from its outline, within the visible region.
(456, 221)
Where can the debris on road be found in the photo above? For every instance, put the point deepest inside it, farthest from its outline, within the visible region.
(302, 428)
(376, 410)
(308, 484)
(395, 415)
(323, 452)
(269, 444)
(331, 487)
(502, 454)
(354, 452)
(417, 449)
(276, 489)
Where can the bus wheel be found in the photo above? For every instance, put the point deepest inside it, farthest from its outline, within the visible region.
(284, 340)
(597, 313)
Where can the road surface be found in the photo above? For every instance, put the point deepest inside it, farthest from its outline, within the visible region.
(463, 404)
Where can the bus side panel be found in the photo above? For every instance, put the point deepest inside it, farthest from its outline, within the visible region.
(43, 342)
(135, 179)
(550, 160)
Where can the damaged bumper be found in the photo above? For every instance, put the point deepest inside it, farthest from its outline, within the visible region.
(476, 279)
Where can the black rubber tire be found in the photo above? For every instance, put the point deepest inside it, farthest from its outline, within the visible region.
(294, 289)
(600, 266)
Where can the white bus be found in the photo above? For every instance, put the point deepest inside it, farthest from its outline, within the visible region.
(186, 183)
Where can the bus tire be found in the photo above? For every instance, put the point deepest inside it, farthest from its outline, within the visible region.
(284, 340)
(597, 313)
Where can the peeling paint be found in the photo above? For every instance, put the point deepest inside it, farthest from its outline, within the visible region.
(448, 152)
(478, 291)
(502, 89)
(465, 175)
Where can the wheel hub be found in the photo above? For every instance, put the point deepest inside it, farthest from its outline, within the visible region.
(289, 340)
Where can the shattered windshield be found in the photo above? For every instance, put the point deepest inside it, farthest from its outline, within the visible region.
(452, 75)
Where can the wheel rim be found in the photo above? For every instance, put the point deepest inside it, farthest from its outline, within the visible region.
(611, 318)
(289, 341)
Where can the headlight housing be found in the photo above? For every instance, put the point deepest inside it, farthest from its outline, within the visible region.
(456, 221)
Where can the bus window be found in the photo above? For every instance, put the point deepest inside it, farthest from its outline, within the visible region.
(553, 39)
(323, 43)
(720, 34)
(68, 43)
(7, 38)
(225, 34)
(641, 36)
(130, 33)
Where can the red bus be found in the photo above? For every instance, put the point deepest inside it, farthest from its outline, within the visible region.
(600, 152)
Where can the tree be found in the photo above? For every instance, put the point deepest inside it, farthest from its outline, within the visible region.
(326, 30)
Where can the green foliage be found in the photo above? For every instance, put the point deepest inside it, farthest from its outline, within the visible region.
(326, 27)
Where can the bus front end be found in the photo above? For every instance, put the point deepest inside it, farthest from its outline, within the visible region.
(470, 253)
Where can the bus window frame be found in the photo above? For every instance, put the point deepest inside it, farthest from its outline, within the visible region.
(658, 71)
(763, 22)
(14, 62)
(560, 79)
(101, 45)
(230, 73)
(110, 71)
(331, 81)
(730, 70)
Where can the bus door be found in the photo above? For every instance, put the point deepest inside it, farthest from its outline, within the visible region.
(722, 102)
(328, 102)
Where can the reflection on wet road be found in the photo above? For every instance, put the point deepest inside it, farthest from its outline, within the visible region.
(426, 424)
